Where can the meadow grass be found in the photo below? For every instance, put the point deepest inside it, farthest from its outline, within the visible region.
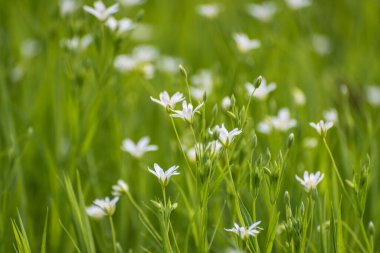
(65, 109)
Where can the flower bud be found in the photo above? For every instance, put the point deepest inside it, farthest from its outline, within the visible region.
(183, 71)
(371, 228)
(290, 140)
(258, 82)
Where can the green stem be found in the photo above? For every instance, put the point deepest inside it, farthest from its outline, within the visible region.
(113, 233)
(367, 242)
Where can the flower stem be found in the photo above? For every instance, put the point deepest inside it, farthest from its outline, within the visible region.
(113, 233)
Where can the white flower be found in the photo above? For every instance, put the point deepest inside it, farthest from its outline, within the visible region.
(225, 137)
(124, 63)
(120, 188)
(262, 91)
(129, 3)
(164, 176)
(373, 95)
(310, 181)
(192, 154)
(226, 103)
(322, 127)
(245, 232)
(265, 126)
(168, 102)
(330, 115)
(168, 64)
(119, 26)
(213, 147)
(263, 12)
(139, 149)
(244, 44)
(187, 113)
(100, 11)
(299, 97)
(30, 48)
(282, 122)
(107, 206)
(321, 44)
(209, 11)
(76, 43)
(298, 4)
(203, 82)
(67, 7)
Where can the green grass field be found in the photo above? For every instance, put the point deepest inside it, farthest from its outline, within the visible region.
(75, 84)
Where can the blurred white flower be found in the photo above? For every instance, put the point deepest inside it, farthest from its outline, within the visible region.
(226, 103)
(244, 232)
(164, 176)
(263, 12)
(148, 70)
(66, 7)
(187, 113)
(77, 44)
(192, 154)
(330, 115)
(321, 127)
(321, 44)
(225, 137)
(244, 44)
(310, 142)
(100, 11)
(265, 126)
(168, 64)
(209, 11)
(106, 205)
(124, 63)
(373, 95)
(282, 122)
(202, 82)
(310, 181)
(145, 53)
(168, 102)
(120, 188)
(119, 26)
(298, 4)
(139, 149)
(129, 3)
(213, 147)
(17, 73)
(30, 48)
(262, 91)
(299, 97)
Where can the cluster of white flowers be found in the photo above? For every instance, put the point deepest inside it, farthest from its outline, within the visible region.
(282, 122)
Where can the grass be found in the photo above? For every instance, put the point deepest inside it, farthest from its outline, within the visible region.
(64, 115)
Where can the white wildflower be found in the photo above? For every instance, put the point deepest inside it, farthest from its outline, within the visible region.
(119, 27)
(164, 176)
(77, 44)
(202, 83)
(139, 149)
(299, 97)
(321, 127)
(226, 103)
(187, 113)
(168, 102)
(95, 212)
(209, 11)
(282, 122)
(298, 4)
(244, 232)
(124, 63)
(213, 147)
(120, 188)
(263, 12)
(244, 43)
(100, 11)
(373, 95)
(330, 115)
(310, 181)
(107, 205)
(262, 91)
(66, 7)
(130, 3)
(225, 137)
(321, 44)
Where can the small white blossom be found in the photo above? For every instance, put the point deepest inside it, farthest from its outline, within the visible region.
(225, 137)
(373, 95)
(164, 176)
(244, 232)
(310, 181)
(265, 126)
(299, 97)
(107, 205)
(77, 44)
(244, 44)
(100, 11)
(120, 188)
(139, 149)
(282, 122)
(209, 11)
(298, 4)
(321, 44)
(124, 63)
(30, 48)
(226, 103)
(187, 113)
(262, 91)
(192, 154)
(168, 102)
(203, 82)
(213, 147)
(330, 115)
(129, 3)
(168, 64)
(66, 7)
(119, 27)
(263, 12)
(321, 127)
(145, 53)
